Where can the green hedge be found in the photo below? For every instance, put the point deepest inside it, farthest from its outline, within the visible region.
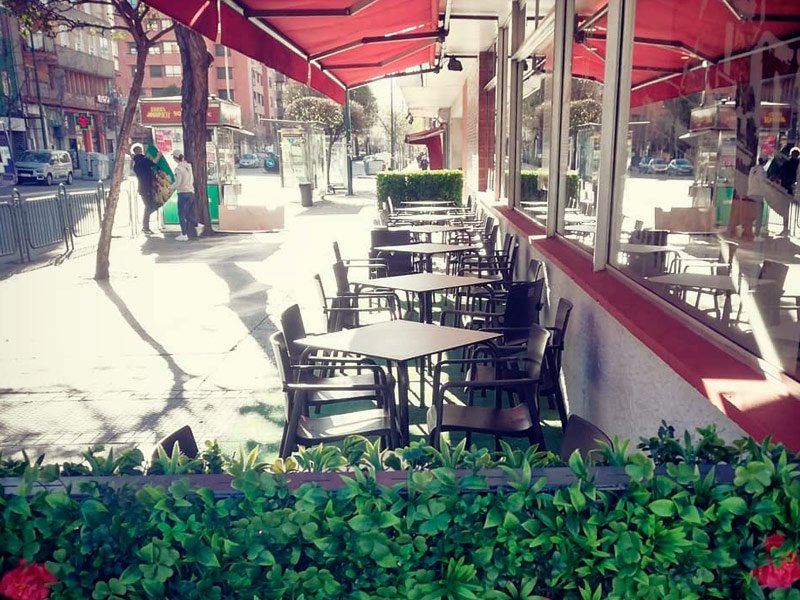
(420, 185)
(676, 533)
(534, 185)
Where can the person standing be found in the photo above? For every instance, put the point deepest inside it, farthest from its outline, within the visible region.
(756, 189)
(788, 175)
(184, 185)
(143, 169)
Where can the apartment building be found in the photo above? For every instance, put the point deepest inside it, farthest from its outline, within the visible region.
(59, 92)
(232, 76)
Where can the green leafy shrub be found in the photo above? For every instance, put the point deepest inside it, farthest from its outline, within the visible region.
(675, 530)
(534, 185)
(391, 185)
(420, 185)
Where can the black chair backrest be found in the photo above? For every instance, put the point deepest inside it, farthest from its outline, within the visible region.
(293, 329)
(523, 303)
(534, 269)
(534, 350)
(769, 289)
(337, 254)
(184, 437)
(342, 280)
(563, 312)
(396, 264)
(583, 436)
(281, 355)
(508, 240)
(651, 263)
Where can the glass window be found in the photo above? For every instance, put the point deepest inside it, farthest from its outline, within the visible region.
(707, 216)
(224, 95)
(170, 47)
(156, 71)
(219, 50)
(537, 97)
(580, 156)
(131, 48)
(173, 70)
(155, 49)
(221, 72)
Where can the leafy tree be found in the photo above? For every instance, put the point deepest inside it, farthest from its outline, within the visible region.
(364, 96)
(140, 23)
(328, 114)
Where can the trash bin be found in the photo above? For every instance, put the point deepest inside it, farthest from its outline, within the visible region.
(305, 194)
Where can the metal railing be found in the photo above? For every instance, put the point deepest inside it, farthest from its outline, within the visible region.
(42, 222)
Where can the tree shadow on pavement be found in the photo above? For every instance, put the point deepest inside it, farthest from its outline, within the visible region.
(179, 376)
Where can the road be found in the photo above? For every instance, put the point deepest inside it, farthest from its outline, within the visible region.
(79, 185)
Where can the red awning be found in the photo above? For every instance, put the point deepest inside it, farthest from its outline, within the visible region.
(672, 40)
(329, 45)
(432, 138)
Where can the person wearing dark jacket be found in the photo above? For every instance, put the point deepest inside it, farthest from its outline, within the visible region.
(143, 169)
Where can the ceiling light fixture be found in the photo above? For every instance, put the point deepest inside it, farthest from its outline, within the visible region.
(454, 64)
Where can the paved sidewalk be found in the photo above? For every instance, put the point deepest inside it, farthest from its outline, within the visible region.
(178, 335)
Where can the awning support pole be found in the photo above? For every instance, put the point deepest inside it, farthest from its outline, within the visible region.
(348, 143)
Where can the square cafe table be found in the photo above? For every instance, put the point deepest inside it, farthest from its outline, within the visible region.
(398, 342)
(428, 250)
(423, 284)
(429, 230)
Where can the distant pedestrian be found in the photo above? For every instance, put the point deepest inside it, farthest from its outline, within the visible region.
(423, 163)
(184, 185)
(143, 169)
(757, 186)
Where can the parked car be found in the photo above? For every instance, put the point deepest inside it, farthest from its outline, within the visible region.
(271, 162)
(248, 161)
(657, 166)
(44, 166)
(680, 166)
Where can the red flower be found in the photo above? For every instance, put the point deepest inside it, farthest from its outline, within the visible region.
(26, 582)
(782, 575)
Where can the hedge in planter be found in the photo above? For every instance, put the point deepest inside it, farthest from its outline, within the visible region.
(677, 531)
(534, 185)
(420, 185)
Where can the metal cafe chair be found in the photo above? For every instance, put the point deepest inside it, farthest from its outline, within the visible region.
(300, 428)
(351, 296)
(583, 436)
(183, 437)
(377, 266)
(555, 349)
(520, 419)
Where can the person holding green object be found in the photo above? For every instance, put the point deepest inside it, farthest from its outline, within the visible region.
(184, 185)
(143, 168)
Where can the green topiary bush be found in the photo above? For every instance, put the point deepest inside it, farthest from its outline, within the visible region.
(457, 524)
(420, 185)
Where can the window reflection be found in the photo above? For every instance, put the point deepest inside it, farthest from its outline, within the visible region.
(537, 93)
(580, 164)
(708, 214)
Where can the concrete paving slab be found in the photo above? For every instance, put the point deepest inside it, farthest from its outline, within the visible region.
(178, 335)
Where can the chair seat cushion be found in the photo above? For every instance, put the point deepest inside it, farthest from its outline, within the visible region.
(363, 422)
(479, 419)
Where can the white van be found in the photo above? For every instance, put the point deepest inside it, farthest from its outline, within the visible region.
(44, 166)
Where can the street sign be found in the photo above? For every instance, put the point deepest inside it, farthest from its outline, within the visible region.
(83, 120)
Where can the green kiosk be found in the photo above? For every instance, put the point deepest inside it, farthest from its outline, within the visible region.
(224, 120)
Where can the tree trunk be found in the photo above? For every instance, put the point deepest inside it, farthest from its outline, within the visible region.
(107, 226)
(195, 61)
